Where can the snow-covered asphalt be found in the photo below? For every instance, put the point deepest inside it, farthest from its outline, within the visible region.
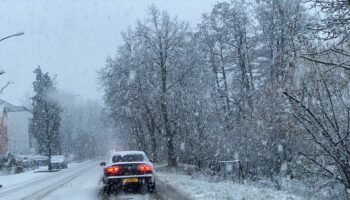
(79, 181)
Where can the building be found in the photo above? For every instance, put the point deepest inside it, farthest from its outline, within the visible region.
(14, 124)
(3, 132)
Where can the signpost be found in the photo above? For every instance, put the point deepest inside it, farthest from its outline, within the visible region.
(232, 169)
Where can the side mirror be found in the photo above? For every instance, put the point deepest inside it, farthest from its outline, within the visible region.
(103, 164)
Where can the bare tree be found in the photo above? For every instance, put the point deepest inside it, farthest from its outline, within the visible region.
(326, 119)
(333, 23)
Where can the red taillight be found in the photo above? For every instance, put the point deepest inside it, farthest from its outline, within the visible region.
(144, 168)
(113, 169)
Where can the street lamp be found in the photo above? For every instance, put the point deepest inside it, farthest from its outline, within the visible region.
(13, 35)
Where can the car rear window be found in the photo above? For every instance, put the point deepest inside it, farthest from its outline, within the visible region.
(128, 158)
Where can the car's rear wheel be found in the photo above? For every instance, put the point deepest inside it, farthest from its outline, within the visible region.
(143, 188)
(151, 187)
(107, 190)
(110, 189)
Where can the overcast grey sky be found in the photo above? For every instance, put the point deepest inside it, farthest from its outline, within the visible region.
(71, 39)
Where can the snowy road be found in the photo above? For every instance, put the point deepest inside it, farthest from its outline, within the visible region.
(79, 181)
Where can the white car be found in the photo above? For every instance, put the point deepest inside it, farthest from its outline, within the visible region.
(59, 162)
(128, 170)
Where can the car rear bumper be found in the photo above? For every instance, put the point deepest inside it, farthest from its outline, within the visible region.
(58, 165)
(144, 178)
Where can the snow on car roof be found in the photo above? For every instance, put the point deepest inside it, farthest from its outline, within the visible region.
(38, 157)
(58, 158)
(123, 153)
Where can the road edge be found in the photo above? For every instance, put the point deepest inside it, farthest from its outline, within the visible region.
(169, 192)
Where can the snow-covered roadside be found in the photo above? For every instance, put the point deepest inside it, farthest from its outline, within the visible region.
(31, 185)
(203, 190)
(27, 176)
(15, 179)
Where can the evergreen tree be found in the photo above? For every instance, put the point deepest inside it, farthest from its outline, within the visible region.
(46, 121)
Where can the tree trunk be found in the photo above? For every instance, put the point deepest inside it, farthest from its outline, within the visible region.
(164, 107)
(151, 125)
(49, 138)
(171, 152)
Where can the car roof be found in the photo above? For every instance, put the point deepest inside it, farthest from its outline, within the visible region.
(123, 153)
(38, 157)
(57, 156)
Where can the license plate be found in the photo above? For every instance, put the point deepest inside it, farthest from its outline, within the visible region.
(130, 180)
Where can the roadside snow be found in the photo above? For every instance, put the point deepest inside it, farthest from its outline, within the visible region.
(15, 179)
(26, 177)
(37, 185)
(202, 190)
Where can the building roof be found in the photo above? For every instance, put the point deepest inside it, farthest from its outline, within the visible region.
(4, 105)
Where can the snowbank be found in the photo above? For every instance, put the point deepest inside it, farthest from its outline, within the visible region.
(185, 187)
(28, 176)
(16, 179)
